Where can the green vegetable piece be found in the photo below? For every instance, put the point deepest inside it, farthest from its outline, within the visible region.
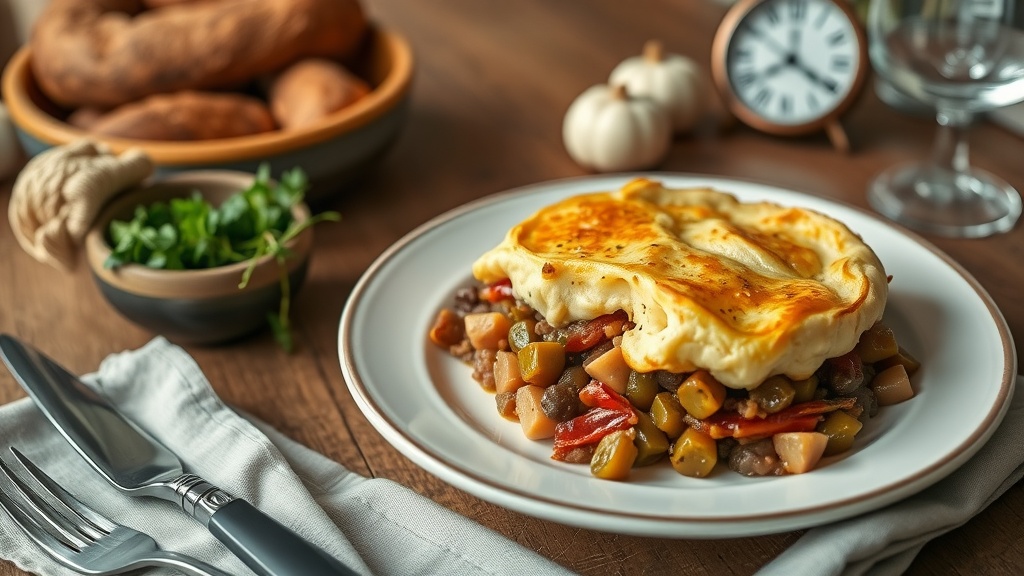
(803, 390)
(614, 456)
(774, 394)
(641, 389)
(700, 394)
(668, 414)
(841, 429)
(522, 333)
(651, 443)
(575, 376)
(541, 363)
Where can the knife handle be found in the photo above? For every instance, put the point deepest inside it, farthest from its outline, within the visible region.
(269, 548)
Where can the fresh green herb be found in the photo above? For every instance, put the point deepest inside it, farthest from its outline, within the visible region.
(191, 233)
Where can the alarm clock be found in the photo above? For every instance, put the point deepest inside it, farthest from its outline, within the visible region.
(791, 67)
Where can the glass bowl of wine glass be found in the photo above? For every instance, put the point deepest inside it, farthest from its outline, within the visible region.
(962, 57)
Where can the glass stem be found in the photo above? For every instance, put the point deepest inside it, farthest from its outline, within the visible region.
(952, 152)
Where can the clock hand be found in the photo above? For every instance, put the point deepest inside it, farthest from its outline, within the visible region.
(827, 83)
(794, 40)
(774, 69)
(769, 41)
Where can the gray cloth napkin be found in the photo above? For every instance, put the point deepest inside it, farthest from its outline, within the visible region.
(887, 540)
(375, 525)
(381, 527)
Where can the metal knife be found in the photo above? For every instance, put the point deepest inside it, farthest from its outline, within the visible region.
(138, 465)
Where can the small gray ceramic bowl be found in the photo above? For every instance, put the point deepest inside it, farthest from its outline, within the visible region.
(193, 306)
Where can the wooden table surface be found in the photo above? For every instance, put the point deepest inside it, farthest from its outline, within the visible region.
(493, 80)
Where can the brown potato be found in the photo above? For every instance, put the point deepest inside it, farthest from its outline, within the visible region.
(311, 89)
(186, 116)
(105, 53)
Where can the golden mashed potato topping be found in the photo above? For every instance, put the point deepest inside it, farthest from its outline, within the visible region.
(743, 290)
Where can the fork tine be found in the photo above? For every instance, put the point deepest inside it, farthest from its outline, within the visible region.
(86, 520)
(28, 513)
(35, 530)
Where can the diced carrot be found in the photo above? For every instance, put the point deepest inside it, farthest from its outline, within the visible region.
(448, 329)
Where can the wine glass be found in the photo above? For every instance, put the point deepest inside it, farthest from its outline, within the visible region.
(962, 57)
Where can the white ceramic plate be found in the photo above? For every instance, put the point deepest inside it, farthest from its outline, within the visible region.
(426, 404)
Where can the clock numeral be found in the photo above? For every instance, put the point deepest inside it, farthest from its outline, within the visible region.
(785, 105)
(837, 38)
(773, 15)
(762, 98)
(840, 63)
(744, 79)
(743, 54)
(797, 10)
(812, 102)
(825, 12)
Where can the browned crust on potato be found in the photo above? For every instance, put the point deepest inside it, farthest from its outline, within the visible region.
(104, 53)
(311, 89)
(186, 115)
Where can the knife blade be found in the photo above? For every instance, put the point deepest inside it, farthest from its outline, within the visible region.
(138, 465)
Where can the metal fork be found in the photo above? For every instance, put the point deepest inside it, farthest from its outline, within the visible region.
(77, 536)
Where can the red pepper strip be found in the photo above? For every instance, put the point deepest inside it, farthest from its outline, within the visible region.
(585, 335)
(589, 428)
(735, 426)
(820, 406)
(801, 417)
(497, 291)
(598, 394)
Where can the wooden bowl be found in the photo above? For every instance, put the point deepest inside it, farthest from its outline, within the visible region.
(333, 153)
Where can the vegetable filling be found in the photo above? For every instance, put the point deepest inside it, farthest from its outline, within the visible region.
(572, 385)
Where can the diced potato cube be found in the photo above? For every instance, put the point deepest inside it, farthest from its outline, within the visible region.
(487, 330)
(506, 372)
(800, 451)
(536, 424)
(892, 386)
(610, 368)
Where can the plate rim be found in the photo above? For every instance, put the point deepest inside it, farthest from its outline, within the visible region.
(650, 524)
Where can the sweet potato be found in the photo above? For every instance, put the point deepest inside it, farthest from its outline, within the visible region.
(312, 88)
(186, 116)
(105, 53)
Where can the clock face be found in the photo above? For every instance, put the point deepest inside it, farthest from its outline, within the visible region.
(793, 62)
